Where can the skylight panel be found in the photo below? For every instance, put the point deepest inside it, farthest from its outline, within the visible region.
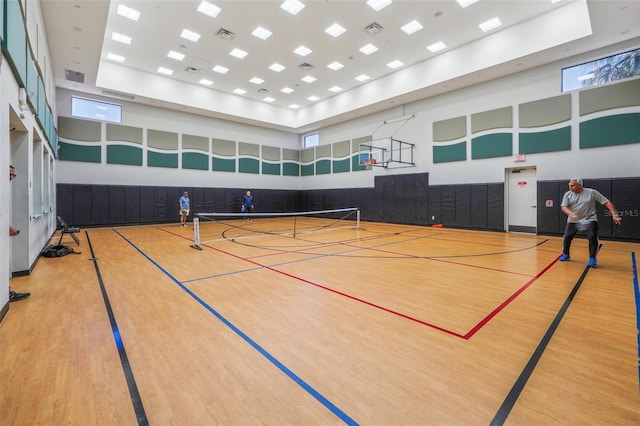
(490, 24)
(368, 49)
(362, 77)
(127, 12)
(209, 9)
(436, 47)
(276, 67)
(261, 33)
(335, 89)
(302, 51)
(287, 90)
(395, 64)
(256, 80)
(220, 69)
(239, 91)
(175, 55)
(465, 3)
(120, 38)
(165, 71)
(378, 5)
(335, 30)
(412, 27)
(335, 66)
(190, 35)
(308, 79)
(206, 82)
(115, 58)
(292, 6)
(238, 53)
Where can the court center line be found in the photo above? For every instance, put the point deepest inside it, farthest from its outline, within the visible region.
(298, 380)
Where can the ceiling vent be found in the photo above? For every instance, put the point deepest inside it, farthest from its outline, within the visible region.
(373, 29)
(76, 76)
(193, 70)
(225, 34)
(305, 67)
(263, 90)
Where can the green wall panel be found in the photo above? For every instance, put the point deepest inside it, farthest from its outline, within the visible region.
(455, 152)
(355, 164)
(307, 170)
(248, 165)
(490, 146)
(87, 154)
(549, 141)
(195, 161)
(270, 169)
(223, 164)
(609, 131)
(341, 166)
(291, 169)
(122, 154)
(323, 167)
(158, 159)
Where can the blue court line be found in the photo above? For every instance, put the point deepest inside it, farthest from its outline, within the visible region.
(636, 289)
(319, 397)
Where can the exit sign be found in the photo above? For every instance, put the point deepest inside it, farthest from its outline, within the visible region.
(520, 157)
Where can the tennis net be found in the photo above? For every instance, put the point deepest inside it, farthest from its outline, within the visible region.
(208, 227)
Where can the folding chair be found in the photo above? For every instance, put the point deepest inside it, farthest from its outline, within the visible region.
(66, 229)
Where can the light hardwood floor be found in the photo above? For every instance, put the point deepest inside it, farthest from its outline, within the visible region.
(383, 325)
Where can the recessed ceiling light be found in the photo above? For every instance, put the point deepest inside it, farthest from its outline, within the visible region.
(335, 89)
(239, 91)
(395, 64)
(127, 12)
(368, 49)
(256, 80)
(378, 4)
(121, 38)
(220, 69)
(335, 66)
(436, 47)
(206, 82)
(312, 98)
(490, 24)
(209, 9)
(165, 71)
(362, 77)
(190, 35)
(302, 51)
(292, 6)
(175, 55)
(335, 30)
(261, 33)
(412, 27)
(294, 106)
(238, 53)
(308, 79)
(276, 67)
(114, 57)
(268, 99)
(465, 3)
(287, 90)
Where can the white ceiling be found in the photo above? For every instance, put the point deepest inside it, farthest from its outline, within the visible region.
(533, 33)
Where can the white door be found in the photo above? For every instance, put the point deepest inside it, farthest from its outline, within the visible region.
(521, 199)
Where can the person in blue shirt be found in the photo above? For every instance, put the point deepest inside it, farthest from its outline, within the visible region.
(247, 204)
(185, 205)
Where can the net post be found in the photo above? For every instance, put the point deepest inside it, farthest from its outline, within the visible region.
(196, 233)
(294, 226)
(358, 219)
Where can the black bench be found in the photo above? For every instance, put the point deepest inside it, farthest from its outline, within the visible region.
(66, 229)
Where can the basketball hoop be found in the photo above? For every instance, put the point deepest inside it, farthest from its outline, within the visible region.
(369, 163)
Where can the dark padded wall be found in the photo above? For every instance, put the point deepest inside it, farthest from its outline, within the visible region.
(477, 206)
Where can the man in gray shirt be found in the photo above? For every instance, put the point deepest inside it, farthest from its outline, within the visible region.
(579, 204)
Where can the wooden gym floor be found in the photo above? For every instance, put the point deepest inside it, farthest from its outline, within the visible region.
(383, 325)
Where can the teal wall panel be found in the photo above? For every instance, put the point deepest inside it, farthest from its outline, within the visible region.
(493, 145)
(355, 164)
(448, 153)
(307, 170)
(270, 169)
(248, 165)
(341, 166)
(609, 131)
(323, 167)
(549, 141)
(291, 169)
(86, 154)
(223, 164)
(158, 159)
(123, 154)
(195, 161)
